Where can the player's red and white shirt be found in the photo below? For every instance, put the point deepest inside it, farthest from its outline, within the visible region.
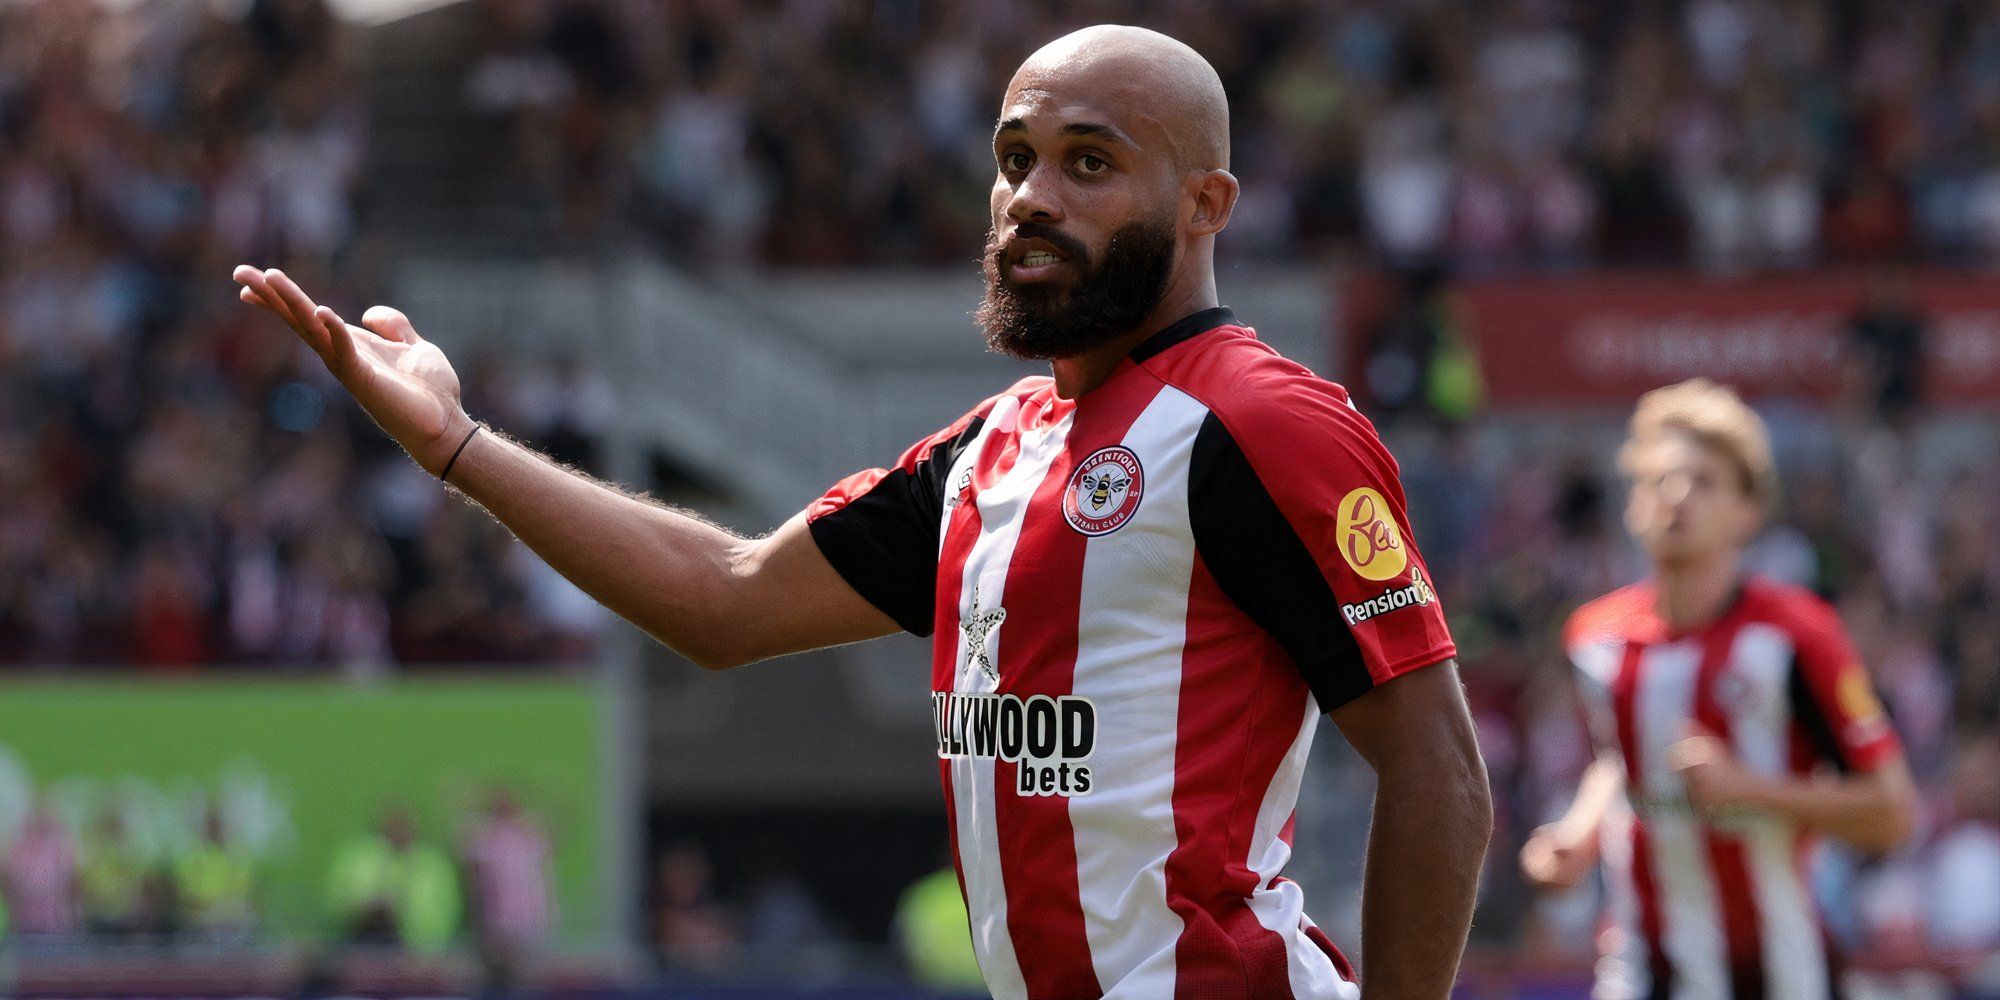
(1143, 599)
(1718, 910)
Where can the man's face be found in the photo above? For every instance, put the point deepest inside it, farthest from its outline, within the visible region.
(1688, 502)
(1085, 221)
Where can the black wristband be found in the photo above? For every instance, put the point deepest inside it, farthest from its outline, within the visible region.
(455, 454)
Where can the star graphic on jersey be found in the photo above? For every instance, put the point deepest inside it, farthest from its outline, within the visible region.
(976, 627)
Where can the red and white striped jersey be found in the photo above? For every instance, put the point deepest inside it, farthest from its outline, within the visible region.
(1142, 601)
(1718, 909)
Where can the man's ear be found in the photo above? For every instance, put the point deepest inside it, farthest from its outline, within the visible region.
(1213, 193)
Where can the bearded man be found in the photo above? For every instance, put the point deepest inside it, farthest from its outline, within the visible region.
(1148, 574)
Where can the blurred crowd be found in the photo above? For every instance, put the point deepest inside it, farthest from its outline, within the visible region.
(180, 482)
(118, 875)
(1520, 133)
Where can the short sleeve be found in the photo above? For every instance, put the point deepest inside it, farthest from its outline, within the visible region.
(1298, 514)
(1832, 698)
(880, 527)
(1595, 639)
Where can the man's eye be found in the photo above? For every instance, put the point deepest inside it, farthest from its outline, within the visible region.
(1092, 165)
(1014, 162)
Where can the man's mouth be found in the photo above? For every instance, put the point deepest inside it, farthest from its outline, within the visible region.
(1033, 259)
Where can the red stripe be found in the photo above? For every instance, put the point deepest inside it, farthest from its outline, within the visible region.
(1625, 711)
(1734, 890)
(1223, 949)
(1038, 656)
(1340, 963)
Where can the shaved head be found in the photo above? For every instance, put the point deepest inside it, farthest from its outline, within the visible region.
(1112, 157)
(1142, 73)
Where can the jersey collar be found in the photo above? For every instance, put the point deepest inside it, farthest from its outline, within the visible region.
(1186, 328)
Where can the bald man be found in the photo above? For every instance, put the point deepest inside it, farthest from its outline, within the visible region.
(1147, 575)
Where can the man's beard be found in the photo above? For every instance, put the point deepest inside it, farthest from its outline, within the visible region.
(1043, 321)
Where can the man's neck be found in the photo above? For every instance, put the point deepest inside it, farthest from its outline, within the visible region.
(1083, 372)
(1693, 595)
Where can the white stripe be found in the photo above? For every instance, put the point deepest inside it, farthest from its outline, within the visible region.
(1280, 908)
(1131, 629)
(1795, 965)
(1597, 665)
(986, 894)
(1624, 969)
(1690, 923)
(1758, 701)
(1753, 693)
(1002, 507)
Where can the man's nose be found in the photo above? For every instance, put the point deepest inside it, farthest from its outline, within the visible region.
(1036, 198)
(1675, 489)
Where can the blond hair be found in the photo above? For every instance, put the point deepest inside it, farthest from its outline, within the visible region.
(1715, 416)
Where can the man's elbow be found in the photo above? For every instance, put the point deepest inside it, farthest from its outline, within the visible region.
(1477, 793)
(1454, 781)
(1898, 821)
(1892, 822)
(713, 655)
(716, 663)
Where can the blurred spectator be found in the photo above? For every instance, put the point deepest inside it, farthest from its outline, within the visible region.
(780, 914)
(1420, 362)
(40, 878)
(120, 891)
(389, 888)
(1888, 338)
(935, 934)
(693, 932)
(1964, 909)
(507, 879)
(215, 884)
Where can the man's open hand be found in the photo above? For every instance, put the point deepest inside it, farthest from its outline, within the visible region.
(401, 379)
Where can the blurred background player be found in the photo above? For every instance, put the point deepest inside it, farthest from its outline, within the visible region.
(1718, 701)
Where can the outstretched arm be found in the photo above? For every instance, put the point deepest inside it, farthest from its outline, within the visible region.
(717, 598)
(1433, 817)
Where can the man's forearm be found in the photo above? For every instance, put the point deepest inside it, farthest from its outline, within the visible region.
(666, 572)
(1433, 817)
(1602, 781)
(1873, 811)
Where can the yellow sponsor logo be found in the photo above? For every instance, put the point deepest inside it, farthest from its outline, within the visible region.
(1857, 699)
(1369, 540)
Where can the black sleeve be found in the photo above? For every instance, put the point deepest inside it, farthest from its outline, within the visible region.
(882, 536)
(1818, 728)
(1266, 569)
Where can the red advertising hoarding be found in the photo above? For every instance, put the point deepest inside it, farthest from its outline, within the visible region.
(1592, 339)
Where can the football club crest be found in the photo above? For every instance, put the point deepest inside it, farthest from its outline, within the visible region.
(1105, 491)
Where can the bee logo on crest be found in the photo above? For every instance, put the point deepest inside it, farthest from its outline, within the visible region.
(1105, 491)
